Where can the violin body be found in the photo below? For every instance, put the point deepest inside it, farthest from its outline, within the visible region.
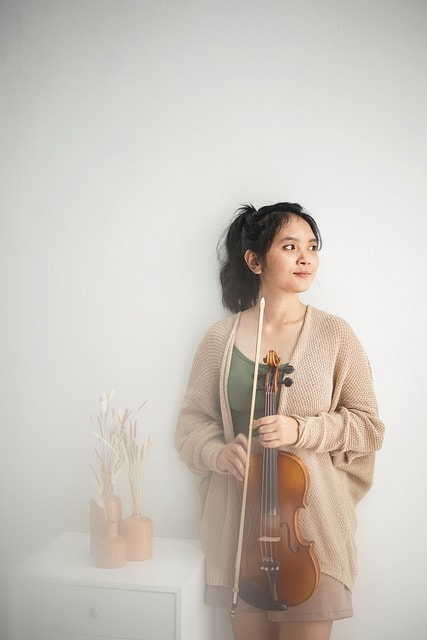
(278, 567)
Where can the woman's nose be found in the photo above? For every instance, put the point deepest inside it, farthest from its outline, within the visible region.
(304, 258)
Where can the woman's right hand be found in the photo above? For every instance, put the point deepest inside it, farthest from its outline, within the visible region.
(232, 458)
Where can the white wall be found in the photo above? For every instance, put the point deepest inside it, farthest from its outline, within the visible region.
(132, 131)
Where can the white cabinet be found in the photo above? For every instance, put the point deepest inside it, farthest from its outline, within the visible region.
(61, 595)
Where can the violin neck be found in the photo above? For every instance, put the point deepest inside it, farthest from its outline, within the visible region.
(270, 493)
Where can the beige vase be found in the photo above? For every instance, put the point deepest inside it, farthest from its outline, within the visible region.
(110, 551)
(138, 531)
(98, 519)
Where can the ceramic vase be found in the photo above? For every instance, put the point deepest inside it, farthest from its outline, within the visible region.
(98, 519)
(138, 531)
(110, 551)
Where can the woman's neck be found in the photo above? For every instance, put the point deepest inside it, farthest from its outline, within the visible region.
(282, 311)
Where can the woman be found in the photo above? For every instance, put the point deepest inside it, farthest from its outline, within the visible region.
(328, 417)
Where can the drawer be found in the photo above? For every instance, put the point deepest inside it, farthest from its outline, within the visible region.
(99, 612)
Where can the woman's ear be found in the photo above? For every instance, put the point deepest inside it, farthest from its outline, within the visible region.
(253, 261)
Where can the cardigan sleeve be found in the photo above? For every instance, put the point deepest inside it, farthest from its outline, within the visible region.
(199, 435)
(351, 430)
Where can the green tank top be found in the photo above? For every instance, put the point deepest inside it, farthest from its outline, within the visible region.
(240, 383)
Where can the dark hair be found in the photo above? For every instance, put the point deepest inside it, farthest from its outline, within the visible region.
(254, 230)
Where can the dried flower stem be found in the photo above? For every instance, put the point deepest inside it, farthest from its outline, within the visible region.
(133, 458)
(108, 456)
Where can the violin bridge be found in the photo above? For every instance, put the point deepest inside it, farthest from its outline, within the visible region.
(269, 539)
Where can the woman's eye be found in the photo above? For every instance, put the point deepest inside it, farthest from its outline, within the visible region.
(291, 247)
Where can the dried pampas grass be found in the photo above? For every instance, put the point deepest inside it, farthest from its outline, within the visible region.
(133, 457)
(109, 463)
(118, 449)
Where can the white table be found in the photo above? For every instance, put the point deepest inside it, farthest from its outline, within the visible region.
(61, 595)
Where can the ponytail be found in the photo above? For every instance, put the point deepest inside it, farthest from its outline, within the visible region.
(239, 285)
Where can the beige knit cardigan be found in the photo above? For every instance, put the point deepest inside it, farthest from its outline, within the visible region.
(339, 430)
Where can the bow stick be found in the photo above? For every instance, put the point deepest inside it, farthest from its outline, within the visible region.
(246, 478)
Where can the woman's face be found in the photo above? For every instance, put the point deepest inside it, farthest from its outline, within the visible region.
(292, 260)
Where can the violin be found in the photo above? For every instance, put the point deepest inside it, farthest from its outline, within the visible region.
(275, 566)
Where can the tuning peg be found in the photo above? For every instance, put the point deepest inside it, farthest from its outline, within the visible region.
(288, 382)
(288, 368)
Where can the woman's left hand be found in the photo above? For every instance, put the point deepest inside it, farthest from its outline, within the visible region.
(276, 431)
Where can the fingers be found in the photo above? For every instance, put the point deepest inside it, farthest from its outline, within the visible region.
(269, 439)
(232, 458)
(242, 440)
(265, 420)
(276, 430)
(268, 431)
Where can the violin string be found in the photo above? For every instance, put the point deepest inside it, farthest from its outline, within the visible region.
(274, 499)
(269, 488)
(263, 508)
(264, 503)
(269, 484)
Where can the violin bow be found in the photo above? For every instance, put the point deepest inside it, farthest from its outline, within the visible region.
(246, 478)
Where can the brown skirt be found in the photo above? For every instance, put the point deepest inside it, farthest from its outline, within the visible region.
(330, 601)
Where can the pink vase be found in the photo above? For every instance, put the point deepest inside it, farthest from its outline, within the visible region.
(138, 531)
(110, 552)
(98, 519)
